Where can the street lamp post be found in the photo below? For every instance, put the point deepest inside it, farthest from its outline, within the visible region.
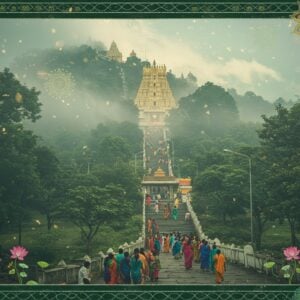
(135, 158)
(250, 188)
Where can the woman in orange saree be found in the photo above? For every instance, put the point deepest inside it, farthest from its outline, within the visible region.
(167, 244)
(220, 268)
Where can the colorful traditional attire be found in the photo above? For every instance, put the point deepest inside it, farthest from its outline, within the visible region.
(136, 266)
(157, 246)
(145, 268)
(166, 245)
(156, 268)
(166, 213)
(204, 257)
(175, 213)
(212, 254)
(176, 249)
(119, 257)
(125, 270)
(149, 227)
(188, 255)
(151, 244)
(219, 267)
(195, 245)
(172, 241)
(110, 271)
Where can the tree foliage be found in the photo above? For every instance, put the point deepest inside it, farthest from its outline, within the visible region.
(90, 206)
(280, 138)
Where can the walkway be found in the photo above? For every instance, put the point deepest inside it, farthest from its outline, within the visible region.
(168, 226)
(174, 272)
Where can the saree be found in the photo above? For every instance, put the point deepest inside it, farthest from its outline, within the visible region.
(151, 244)
(112, 266)
(212, 254)
(175, 213)
(195, 245)
(136, 270)
(176, 249)
(125, 270)
(157, 246)
(188, 255)
(220, 267)
(204, 257)
(166, 213)
(166, 245)
(149, 225)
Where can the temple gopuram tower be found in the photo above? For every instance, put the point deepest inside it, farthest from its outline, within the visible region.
(113, 53)
(154, 100)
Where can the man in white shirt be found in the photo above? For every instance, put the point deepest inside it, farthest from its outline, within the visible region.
(84, 273)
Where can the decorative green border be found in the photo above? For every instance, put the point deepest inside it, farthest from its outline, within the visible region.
(147, 9)
(177, 292)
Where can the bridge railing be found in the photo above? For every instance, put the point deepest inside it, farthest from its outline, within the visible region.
(69, 273)
(236, 254)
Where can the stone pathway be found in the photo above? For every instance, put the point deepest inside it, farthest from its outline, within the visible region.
(174, 272)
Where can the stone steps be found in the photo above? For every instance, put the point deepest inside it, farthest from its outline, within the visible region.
(170, 225)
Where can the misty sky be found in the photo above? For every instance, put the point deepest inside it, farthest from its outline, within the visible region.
(261, 55)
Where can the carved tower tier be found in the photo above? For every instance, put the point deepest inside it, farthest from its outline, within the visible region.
(154, 98)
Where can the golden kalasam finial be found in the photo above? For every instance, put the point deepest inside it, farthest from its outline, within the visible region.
(159, 173)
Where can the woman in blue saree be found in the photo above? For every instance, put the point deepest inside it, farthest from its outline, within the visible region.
(204, 256)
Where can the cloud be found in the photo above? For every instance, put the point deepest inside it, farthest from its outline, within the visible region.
(176, 54)
(248, 71)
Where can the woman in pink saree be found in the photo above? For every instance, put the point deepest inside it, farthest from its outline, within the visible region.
(187, 250)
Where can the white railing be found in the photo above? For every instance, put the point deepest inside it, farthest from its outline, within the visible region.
(144, 217)
(236, 254)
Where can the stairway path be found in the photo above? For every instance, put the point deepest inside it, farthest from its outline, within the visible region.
(173, 272)
(170, 225)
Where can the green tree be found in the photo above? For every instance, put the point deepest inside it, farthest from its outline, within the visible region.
(220, 190)
(88, 207)
(19, 182)
(210, 110)
(49, 173)
(122, 174)
(111, 150)
(17, 101)
(280, 138)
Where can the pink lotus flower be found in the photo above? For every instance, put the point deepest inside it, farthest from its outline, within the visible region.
(291, 253)
(18, 252)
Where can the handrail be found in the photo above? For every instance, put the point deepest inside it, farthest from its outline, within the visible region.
(242, 255)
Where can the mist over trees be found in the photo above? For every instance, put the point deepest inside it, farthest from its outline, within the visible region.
(78, 137)
(46, 177)
(80, 87)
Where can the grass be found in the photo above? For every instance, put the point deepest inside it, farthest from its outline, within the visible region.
(64, 241)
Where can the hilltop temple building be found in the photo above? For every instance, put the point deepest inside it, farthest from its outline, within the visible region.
(154, 98)
(113, 53)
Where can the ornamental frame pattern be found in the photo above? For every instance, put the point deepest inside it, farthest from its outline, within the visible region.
(147, 9)
(178, 292)
(150, 9)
